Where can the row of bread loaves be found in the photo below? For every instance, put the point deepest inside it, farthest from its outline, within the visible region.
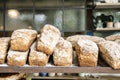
(20, 43)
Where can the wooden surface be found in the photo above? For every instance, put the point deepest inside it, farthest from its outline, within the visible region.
(72, 69)
(107, 29)
(107, 5)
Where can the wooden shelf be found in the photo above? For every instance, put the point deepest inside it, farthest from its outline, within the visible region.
(107, 5)
(56, 69)
(107, 29)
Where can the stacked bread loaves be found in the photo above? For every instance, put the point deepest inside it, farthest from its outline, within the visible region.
(20, 43)
(25, 44)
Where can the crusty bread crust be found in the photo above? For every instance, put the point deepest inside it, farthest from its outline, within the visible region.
(110, 51)
(63, 53)
(22, 39)
(87, 53)
(48, 39)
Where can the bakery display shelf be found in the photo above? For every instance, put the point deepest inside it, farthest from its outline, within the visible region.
(107, 5)
(4, 68)
(107, 29)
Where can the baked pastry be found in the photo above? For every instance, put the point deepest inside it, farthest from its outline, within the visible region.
(63, 53)
(110, 52)
(87, 51)
(22, 39)
(37, 58)
(17, 58)
(48, 39)
(113, 37)
(4, 44)
(74, 39)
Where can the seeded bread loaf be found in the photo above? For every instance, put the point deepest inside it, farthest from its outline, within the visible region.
(63, 53)
(48, 39)
(4, 44)
(22, 39)
(17, 58)
(37, 58)
(110, 51)
(87, 51)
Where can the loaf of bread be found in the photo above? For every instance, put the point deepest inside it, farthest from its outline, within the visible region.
(74, 39)
(17, 58)
(63, 53)
(22, 39)
(113, 37)
(37, 58)
(110, 51)
(87, 51)
(48, 39)
(4, 44)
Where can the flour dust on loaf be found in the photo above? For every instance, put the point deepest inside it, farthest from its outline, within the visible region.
(48, 39)
(63, 53)
(21, 39)
(37, 58)
(17, 58)
(110, 52)
(113, 37)
(87, 51)
(4, 45)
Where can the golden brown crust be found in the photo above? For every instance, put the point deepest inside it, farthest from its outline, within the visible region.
(21, 39)
(17, 58)
(63, 53)
(48, 39)
(110, 51)
(87, 53)
(44, 48)
(37, 58)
